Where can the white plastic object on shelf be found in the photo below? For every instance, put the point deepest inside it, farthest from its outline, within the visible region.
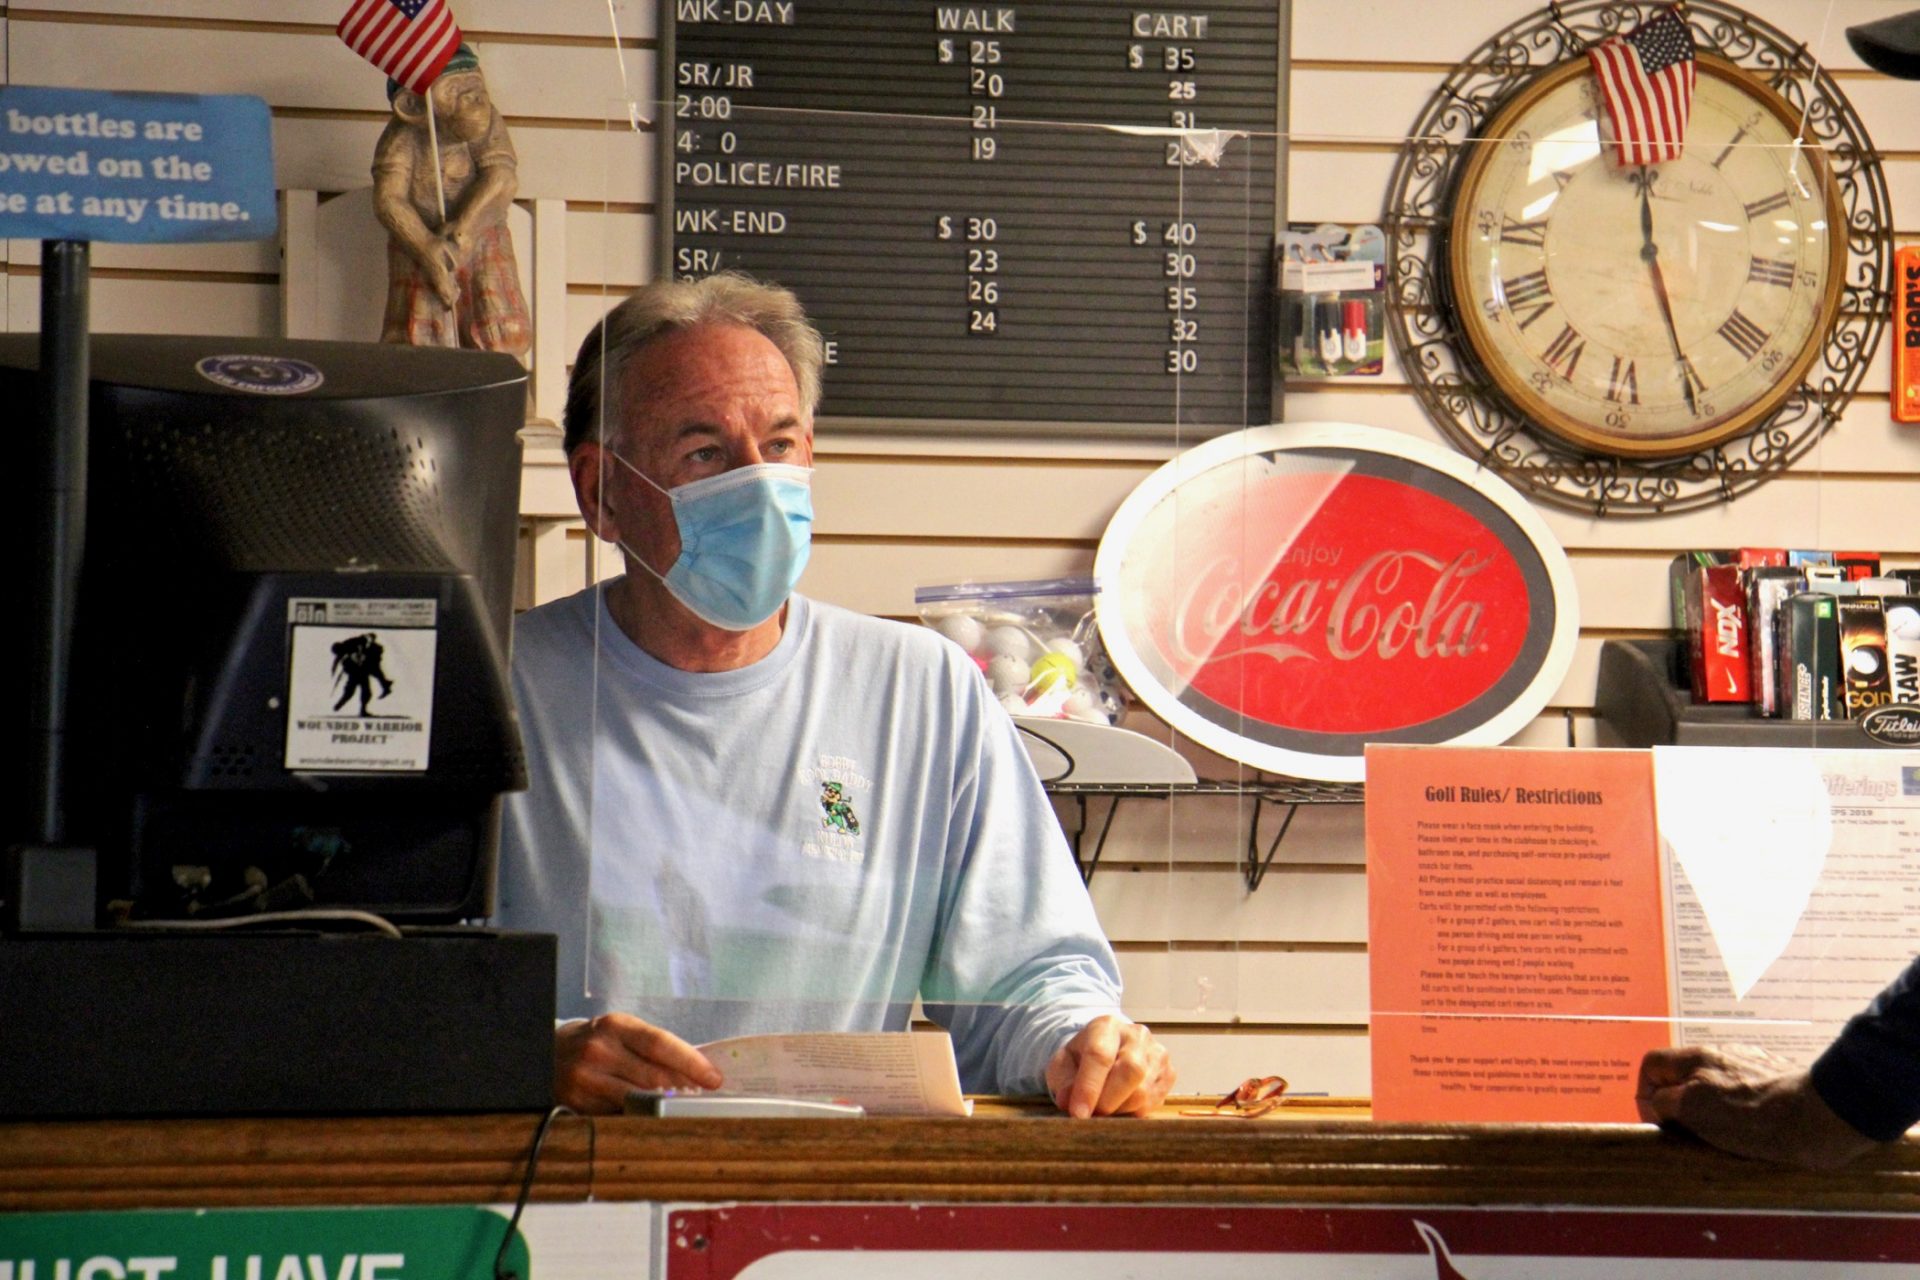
(1081, 754)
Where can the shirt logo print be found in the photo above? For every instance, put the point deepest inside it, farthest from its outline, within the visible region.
(836, 811)
(837, 833)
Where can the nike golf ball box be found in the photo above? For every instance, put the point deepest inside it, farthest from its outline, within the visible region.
(1717, 636)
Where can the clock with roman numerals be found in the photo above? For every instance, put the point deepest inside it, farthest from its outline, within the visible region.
(1646, 311)
(1627, 340)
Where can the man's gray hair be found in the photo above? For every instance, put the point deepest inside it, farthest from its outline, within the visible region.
(668, 306)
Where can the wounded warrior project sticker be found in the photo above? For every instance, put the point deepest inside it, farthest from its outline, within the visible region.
(263, 375)
(360, 685)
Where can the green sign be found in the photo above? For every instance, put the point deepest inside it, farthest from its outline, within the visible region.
(258, 1244)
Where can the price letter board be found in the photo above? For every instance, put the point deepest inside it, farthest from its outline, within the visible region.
(1023, 214)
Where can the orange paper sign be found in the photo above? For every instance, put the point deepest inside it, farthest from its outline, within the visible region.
(1517, 954)
(1906, 334)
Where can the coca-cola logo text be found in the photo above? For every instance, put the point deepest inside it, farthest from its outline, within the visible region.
(1396, 601)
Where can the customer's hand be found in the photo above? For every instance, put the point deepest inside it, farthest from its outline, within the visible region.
(1748, 1102)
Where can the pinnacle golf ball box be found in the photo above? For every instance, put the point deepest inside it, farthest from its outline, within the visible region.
(1767, 590)
(1863, 654)
(1810, 657)
(1717, 635)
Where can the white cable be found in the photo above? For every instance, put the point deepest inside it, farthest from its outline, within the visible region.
(380, 923)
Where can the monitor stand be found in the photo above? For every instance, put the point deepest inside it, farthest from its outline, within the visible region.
(121, 1023)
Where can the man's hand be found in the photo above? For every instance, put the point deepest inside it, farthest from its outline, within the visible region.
(1748, 1102)
(596, 1062)
(1112, 1067)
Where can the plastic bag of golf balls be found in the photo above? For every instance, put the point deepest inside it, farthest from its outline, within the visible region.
(1034, 641)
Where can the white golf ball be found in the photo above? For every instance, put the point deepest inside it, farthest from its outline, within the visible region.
(1083, 704)
(1008, 675)
(1010, 642)
(963, 629)
(1014, 703)
(1066, 646)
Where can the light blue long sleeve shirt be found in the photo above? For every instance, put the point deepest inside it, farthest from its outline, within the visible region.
(801, 844)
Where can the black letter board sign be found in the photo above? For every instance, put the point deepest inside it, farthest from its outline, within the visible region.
(1055, 213)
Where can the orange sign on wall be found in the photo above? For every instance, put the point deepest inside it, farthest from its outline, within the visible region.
(1906, 334)
(1517, 953)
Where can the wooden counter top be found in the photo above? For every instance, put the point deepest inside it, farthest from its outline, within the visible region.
(1010, 1156)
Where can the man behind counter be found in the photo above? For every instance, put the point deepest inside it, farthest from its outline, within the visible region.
(752, 812)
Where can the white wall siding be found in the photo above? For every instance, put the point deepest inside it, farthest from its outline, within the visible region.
(1238, 982)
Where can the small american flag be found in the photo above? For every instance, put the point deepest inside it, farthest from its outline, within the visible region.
(410, 40)
(1646, 81)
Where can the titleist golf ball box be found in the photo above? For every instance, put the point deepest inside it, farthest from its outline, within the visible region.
(1902, 614)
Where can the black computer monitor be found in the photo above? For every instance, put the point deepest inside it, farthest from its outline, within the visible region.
(289, 661)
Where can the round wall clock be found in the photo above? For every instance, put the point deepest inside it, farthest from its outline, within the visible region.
(1646, 310)
(1632, 340)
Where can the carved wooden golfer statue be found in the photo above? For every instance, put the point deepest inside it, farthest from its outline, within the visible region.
(451, 277)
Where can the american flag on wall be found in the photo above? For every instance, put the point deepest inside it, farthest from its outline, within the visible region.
(410, 40)
(1646, 80)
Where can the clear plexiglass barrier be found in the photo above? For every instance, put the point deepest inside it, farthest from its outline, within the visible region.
(1326, 510)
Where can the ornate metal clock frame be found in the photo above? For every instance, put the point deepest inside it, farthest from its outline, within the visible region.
(1463, 401)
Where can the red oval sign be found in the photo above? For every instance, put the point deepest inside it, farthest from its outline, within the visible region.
(1288, 594)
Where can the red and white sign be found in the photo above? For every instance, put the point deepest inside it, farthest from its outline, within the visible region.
(1082, 1242)
(1287, 594)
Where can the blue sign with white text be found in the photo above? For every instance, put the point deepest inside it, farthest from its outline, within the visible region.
(146, 168)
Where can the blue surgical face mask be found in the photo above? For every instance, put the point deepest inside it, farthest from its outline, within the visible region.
(744, 539)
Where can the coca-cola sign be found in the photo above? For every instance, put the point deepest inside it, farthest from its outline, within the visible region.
(1286, 595)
